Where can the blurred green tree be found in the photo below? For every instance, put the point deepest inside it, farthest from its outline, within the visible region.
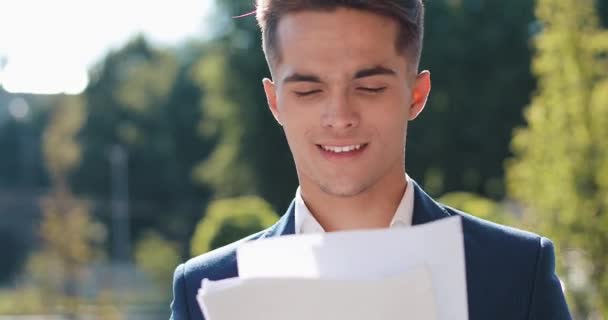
(68, 233)
(21, 165)
(229, 220)
(15, 252)
(479, 206)
(251, 154)
(478, 53)
(158, 257)
(144, 99)
(223, 170)
(560, 171)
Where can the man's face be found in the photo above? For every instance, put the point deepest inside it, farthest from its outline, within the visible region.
(344, 95)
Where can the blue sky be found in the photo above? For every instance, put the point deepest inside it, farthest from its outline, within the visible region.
(48, 46)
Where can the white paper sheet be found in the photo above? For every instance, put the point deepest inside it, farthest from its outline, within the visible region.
(375, 254)
(407, 296)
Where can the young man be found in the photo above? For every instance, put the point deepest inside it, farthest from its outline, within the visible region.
(345, 83)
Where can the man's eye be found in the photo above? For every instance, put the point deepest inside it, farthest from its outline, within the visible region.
(306, 93)
(372, 90)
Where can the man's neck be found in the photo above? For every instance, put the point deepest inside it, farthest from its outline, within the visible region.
(371, 209)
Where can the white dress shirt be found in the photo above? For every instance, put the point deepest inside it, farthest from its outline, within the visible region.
(306, 223)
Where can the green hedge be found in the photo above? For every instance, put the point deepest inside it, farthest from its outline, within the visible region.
(229, 220)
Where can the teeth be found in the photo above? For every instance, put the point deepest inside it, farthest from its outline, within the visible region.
(342, 149)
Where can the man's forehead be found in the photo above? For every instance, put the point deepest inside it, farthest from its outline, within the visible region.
(315, 15)
(339, 20)
(338, 43)
(344, 32)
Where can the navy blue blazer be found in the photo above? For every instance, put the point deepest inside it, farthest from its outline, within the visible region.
(510, 273)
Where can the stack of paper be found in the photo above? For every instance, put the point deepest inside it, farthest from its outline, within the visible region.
(402, 273)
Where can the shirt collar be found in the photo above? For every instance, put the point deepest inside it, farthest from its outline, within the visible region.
(306, 223)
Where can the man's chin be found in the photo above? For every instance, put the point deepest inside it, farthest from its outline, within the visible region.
(343, 191)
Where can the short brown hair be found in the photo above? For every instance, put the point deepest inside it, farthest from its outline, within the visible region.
(408, 13)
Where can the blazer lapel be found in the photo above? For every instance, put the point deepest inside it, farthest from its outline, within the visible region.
(285, 225)
(425, 208)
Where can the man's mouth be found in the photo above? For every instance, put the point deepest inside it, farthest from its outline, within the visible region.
(342, 149)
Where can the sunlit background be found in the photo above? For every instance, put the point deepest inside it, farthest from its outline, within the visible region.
(135, 135)
(47, 47)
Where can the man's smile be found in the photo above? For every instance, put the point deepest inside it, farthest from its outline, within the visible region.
(345, 151)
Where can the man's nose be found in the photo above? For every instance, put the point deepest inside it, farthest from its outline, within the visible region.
(340, 113)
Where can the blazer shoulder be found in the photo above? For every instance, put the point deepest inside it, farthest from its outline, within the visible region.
(179, 306)
(221, 263)
(519, 262)
(217, 264)
(496, 234)
(548, 300)
(506, 250)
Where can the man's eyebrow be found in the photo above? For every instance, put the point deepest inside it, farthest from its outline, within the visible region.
(298, 77)
(374, 71)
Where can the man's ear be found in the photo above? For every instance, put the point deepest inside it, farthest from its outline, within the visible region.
(271, 97)
(420, 93)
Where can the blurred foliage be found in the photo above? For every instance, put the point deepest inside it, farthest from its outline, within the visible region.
(20, 139)
(68, 233)
(560, 172)
(479, 206)
(14, 253)
(478, 53)
(223, 170)
(22, 301)
(61, 150)
(251, 154)
(145, 100)
(67, 228)
(157, 257)
(31, 301)
(106, 306)
(229, 220)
